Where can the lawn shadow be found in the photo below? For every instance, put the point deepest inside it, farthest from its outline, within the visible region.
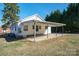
(9, 37)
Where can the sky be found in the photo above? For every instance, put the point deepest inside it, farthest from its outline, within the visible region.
(42, 9)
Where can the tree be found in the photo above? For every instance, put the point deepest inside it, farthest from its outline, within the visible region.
(47, 17)
(54, 16)
(70, 17)
(10, 14)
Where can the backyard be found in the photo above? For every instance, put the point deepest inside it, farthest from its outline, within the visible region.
(64, 45)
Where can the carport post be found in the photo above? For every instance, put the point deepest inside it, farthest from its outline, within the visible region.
(56, 32)
(47, 31)
(62, 30)
(34, 31)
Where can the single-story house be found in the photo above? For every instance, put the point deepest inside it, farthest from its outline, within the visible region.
(34, 25)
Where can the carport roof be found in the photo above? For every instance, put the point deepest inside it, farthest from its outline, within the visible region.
(52, 24)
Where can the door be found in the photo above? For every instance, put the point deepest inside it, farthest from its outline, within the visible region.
(37, 28)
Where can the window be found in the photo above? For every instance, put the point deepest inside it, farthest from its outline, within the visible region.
(36, 26)
(46, 27)
(25, 27)
(39, 27)
(33, 27)
(19, 30)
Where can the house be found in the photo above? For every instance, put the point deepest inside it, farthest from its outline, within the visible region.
(34, 25)
(1, 30)
(6, 31)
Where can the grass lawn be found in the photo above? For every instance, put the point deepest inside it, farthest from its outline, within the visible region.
(66, 45)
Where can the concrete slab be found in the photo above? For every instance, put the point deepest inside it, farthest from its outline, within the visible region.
(44, 37)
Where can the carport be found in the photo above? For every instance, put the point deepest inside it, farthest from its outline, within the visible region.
(52, 24)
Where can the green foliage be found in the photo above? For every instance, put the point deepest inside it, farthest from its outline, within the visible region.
(4, 27)
(10, 14)
(54, 16)
(70, 17)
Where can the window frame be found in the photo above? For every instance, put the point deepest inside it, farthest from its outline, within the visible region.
(25, 28)
(39, 27)
(46, 27)
(19, 30)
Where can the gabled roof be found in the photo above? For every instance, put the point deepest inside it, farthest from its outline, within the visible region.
(33, 17)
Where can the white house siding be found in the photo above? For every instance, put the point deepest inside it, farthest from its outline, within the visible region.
(48, 30)
(31, 31)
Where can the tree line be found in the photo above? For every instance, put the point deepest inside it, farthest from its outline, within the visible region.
(69, 16)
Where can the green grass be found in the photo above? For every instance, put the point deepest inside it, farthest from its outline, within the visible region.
(66, 46)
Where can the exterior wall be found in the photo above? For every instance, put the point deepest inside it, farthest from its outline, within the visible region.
(31, 30)
(48, 30)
